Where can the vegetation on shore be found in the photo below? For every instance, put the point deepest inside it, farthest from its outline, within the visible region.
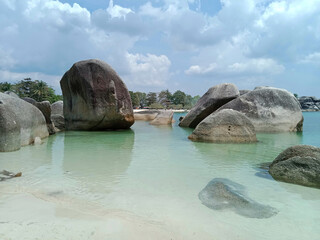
(164, 99)
(38, 90)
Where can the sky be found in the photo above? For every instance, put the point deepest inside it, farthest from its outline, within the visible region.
(189, 45)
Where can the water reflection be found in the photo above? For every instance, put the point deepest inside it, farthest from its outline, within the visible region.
(97, 159)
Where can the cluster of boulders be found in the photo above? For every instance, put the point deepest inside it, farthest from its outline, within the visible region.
(309, 104)
(95, 98)
(265, 109)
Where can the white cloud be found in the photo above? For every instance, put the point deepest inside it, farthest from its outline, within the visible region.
(251, 66)
(150, 70)
(313, 58)
(117, 11)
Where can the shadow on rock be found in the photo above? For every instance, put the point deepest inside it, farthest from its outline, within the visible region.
(222, 194)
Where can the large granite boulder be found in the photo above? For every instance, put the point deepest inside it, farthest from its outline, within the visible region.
(269, 109)
(225, 126)
(221, 194)
(57, 115)
(147, 115)
(214, 98)
(20, 123)
(12, 94)
(309, 103)
(165, 117)
(299, 165)
(95, 98)
(45, 108)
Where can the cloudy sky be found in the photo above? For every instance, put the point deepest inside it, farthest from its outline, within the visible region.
(189, 45)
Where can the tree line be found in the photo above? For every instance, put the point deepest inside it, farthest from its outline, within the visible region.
(41, 91)
(38, 90)
(164, 99)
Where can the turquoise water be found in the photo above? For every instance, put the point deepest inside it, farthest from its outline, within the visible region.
(144, 184)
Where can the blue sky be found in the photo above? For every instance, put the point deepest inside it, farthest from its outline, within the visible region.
(189, 45)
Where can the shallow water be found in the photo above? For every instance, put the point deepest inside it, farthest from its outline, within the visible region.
(144, 184)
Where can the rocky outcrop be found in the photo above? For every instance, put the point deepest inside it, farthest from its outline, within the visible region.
(220, 194)
(269, 109)
(163, 118)
(95, 98)
(309, 104)
(214, 98)
(12, 94)
(45, 108)
(57, 116)
(242, 92)
(20, 123)
(299, 165)
(225, 126)
(147, 115)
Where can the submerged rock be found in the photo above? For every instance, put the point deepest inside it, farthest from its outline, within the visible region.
(214, 98)
(269, 109)
(225, 126)
(95, 98)
(20, 123)
(163, 118)
(298, 165)
(4, 175)
(220, 194)
(45, 108)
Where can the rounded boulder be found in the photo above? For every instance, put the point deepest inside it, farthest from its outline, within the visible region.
(225, 126)
(95, 98)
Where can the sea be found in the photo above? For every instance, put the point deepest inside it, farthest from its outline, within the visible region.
(143, 183)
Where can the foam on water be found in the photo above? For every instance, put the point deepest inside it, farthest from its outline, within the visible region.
(144, 184)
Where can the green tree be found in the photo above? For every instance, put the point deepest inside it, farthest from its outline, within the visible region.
(195, 100)
(142, 98)
(5, 86)
(164, 98)
(151, 98)
(134, 99)
(179, 97)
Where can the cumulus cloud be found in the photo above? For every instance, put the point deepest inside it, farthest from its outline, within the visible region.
(150, 70)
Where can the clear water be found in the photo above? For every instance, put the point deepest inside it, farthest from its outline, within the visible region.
(144, 184)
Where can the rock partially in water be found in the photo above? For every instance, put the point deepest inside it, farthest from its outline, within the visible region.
(220, 194)
(269, 109)
(298, 165)
(147, 115)
(214, 98)
(163, 118)
(225, 126)
(95, 98)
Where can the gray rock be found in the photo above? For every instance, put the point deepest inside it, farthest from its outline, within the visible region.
(57, 116)
(45, 108)
(57, 108)
(20, 123)
(147, 115)
(270, 110)
(214, 98)
(95, 98)
(163, 118)
(298, 165)
(242, 92)
(12, 94)
(309, 103)
(225, 126)
(220, 194)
